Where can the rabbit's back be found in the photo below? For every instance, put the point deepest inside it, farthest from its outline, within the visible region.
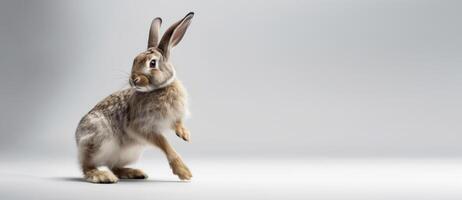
(106, 117)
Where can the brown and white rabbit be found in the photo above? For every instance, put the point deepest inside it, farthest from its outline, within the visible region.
(116, 131)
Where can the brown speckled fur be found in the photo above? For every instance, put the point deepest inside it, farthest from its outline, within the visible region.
(115, 131)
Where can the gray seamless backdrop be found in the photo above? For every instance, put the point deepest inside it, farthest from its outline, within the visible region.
(266, 78)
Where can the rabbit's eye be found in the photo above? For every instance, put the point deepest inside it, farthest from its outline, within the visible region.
(153, 64)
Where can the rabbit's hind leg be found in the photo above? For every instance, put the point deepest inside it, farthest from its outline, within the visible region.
(91, 172)
(91, 136)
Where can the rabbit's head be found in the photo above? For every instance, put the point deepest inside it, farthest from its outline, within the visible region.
(152, 68)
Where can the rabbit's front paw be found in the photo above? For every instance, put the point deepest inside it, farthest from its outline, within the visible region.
(183, 133)
(129, 173)
(98, 176)
(180, 169)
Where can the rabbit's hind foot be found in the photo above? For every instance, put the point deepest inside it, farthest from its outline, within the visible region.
(99, 176)
(129, 173)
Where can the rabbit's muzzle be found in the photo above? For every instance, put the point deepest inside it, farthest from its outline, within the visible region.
(139, 80)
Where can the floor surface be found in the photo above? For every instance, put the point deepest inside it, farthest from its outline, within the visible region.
(318, 179)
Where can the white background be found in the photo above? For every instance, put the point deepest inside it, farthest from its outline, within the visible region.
(267, 79)
(285, 78)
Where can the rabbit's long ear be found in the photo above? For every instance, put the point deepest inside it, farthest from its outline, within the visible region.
(154, 32)
(174, 34)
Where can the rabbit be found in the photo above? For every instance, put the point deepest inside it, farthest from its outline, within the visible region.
(117, 130)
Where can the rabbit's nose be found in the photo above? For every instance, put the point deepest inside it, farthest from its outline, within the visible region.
(136, 79)
(140, 80)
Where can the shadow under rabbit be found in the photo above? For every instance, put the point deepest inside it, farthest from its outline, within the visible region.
(78, 179)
